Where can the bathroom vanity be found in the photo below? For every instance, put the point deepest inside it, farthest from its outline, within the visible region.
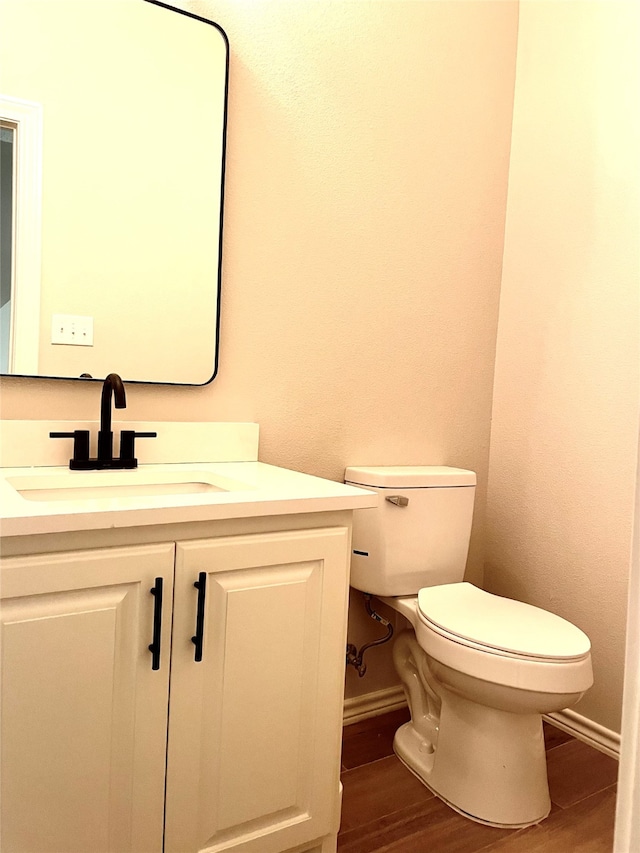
(173, 652)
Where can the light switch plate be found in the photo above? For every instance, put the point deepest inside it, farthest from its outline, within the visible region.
(72, 330)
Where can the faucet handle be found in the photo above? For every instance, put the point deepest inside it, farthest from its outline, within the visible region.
(80, 437)
(127, 446)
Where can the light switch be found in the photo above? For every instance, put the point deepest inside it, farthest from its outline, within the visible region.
(72, 330)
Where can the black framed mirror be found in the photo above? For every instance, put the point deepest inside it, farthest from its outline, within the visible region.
(113, 152)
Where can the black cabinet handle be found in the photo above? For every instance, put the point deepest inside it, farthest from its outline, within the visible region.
(201, 586)
(154, 647)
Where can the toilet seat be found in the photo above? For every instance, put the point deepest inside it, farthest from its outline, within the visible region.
(545, 674)
(501, 626)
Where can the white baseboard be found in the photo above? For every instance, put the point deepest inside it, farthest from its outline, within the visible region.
(586, 730)
(392, 698)
(373, 704)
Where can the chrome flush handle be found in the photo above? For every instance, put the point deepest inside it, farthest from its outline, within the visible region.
(398, 500)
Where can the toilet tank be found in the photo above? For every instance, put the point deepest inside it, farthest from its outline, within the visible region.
(418, 535)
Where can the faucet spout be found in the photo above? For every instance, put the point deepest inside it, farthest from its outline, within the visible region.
(113, 387)
(112, 392)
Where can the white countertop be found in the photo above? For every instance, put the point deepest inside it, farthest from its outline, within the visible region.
(256, 489)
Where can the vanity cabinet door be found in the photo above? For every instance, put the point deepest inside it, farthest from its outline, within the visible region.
(254, 727)
(84, 715)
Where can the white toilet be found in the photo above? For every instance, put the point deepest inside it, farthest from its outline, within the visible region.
(478, 670)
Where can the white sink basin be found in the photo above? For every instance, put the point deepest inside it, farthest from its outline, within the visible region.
(97, 485)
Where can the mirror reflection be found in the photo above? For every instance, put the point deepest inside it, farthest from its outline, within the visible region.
(113, 131)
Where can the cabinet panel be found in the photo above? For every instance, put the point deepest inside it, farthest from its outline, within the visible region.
(253, 756)
(266, 617)
(84, 716)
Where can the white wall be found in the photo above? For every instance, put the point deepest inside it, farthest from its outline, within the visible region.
(565, 406)
(368, 148)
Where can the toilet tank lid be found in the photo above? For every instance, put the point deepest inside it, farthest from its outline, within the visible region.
(410, 476)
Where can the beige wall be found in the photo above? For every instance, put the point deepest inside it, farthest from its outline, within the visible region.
(368, 148)
(565, 411)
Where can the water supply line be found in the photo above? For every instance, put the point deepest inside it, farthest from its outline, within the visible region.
(354, 656)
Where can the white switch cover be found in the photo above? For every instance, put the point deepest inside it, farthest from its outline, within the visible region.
(71, 329)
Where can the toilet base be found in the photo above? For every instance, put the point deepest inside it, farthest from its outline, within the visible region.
(489, 765)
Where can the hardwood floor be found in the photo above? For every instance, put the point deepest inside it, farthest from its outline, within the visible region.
(385, 809)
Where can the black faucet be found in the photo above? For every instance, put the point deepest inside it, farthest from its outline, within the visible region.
(112, 387)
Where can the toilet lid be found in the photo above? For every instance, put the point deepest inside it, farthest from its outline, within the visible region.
(473, 616)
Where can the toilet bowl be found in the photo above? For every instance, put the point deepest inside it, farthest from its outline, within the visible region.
(478, 670)
(475, 736)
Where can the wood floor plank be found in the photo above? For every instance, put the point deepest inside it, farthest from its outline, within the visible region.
(371, 739)
(553, 736)
(376, 790)
(384, 829)
(576, 771)
(586, 827)
(429, 826)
